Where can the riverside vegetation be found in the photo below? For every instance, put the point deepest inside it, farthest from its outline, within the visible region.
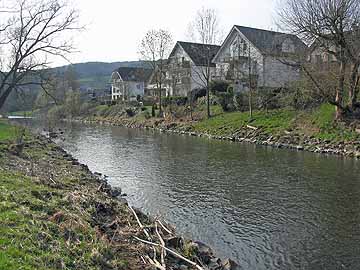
(314, 129)
(56, 214)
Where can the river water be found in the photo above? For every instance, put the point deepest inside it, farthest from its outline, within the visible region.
(265, 208)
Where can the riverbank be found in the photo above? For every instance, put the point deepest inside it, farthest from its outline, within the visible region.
(313, 131)
(56, 214)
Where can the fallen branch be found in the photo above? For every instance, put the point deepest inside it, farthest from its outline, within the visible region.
(155, 263)
(251, 127)
(166, 229)
(163, 251)
(172, 252)
(139, 222)
(143, 228)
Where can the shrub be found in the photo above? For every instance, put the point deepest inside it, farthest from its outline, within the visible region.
(241, 101)
(268, 99)
(147, 114)
(226, 101)
(175, 100)
(153, 110)
(195, 94)
(219, 86)
(130, 112)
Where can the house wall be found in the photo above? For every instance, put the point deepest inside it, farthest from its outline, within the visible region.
(199, 75)
(232, 63)
(319, 56)
(183, 75)
(179, 82)
(279, 74)
(116, 89)
(270, 72)
(126, 90)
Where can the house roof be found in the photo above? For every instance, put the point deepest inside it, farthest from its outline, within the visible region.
(352, 37)
(268, 42)
(134, 74)
(198, 52)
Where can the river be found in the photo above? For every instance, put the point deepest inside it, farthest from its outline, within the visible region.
(265, 208)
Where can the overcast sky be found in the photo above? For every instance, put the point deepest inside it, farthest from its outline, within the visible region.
(116, 27)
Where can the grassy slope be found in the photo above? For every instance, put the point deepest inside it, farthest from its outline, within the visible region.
(318, 123)
(7, 132)
(48, 224)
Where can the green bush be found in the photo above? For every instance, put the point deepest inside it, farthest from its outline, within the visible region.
(226, 101)
(241, 101)
(146, 114)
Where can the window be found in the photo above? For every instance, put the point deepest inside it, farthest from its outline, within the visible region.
(245, 47)
(234, 48)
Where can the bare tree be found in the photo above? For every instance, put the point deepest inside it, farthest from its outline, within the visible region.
(33, 32)
(154, 49)
(205, 30)
(333, 27)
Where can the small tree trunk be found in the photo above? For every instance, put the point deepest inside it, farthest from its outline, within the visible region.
(353, 90)
(208, 101)
(191, 107)
(250, 103)
(340, 90)
(160, 100)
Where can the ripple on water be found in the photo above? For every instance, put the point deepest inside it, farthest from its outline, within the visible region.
(266, 208)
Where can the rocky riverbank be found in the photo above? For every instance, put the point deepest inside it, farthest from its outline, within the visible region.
(73, 219)
(247, 134)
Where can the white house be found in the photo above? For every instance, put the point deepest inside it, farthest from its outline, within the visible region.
(128, 83)
(187, 67)
(260, 55)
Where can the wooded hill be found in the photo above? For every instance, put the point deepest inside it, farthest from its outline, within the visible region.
(89, 75)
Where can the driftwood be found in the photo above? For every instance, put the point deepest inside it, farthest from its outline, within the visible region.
(146, 233)
(252, 127)
(163, 251)
(172, 252)
(166, 229)
(155, 263)
(139, 222)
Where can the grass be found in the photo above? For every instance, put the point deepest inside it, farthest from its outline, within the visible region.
(45, 226)
(29, 239)
(319, 123)
(7, 132)
(329, 129)
(226, 124)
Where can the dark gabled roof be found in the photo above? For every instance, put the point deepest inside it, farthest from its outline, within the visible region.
(198, 52)
(134, 74)
(268, 42)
